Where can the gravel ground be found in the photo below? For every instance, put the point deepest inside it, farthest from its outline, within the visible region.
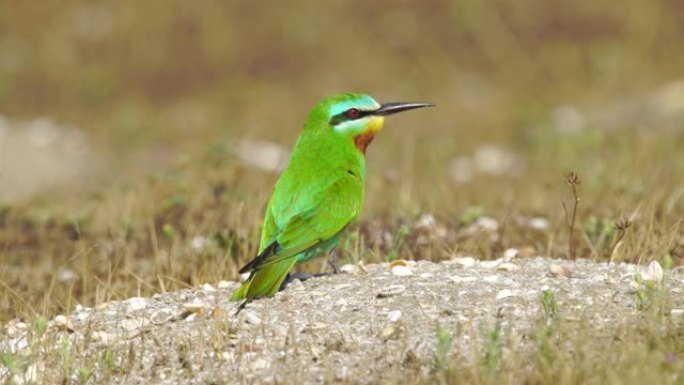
(373, 324)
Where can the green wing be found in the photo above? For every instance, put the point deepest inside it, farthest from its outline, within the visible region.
(307, 219)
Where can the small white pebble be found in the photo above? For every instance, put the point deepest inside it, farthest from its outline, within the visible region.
(224, 284)
(504, 294)
(82, 315)
(60, 320)
(464, 261)
(490, 278)
(426, 221)
(487, 223)
(252, 319)
(136, 303)
(244, 277)
(459, 279)
(508, 266)
(208, 288)
(198, 243)
(349, 268)
(652, 273)
(401, 271)
(394, 316)
(23, 325)
(539, 223)
(509, 254)
(66, 275)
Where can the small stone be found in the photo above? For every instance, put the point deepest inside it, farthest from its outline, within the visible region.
(560, 270)
(63, 322)
(509, 254)
(490, 278)
(459, 279)
(394, 316)
(349, 268)
(251, 318)
(208, 288)
(677, 312)
(224, 284)
(15, 328)
(66, 276)
(504, 294)
(401, 271)
(195, 306)
(426, 221)
(652, 273)
(464, 261)
(390, 291)
(198, 243)
(487, 223)
(539, 223)
(82, 315)
(244, 277)
(136, 303)
(508, 266)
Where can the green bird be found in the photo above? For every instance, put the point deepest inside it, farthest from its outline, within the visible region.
(320, 192)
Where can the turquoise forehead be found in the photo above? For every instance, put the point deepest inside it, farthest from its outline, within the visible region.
(340, 103)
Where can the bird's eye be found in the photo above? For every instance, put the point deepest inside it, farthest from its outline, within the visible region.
(353, 113)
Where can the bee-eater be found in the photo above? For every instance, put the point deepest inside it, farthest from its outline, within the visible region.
(320, 192)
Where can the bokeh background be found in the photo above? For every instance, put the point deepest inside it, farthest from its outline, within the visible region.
(139, 141)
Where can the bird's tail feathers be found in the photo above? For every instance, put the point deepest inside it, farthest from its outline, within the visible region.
(241, 292)
(265, 281)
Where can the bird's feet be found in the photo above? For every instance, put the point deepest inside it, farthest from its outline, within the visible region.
(302, 276)
(332, 262)
(292, 276)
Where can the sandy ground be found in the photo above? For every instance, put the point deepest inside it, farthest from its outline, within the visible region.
(374, 324)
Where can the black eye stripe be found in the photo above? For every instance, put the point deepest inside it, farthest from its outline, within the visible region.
(342, 117)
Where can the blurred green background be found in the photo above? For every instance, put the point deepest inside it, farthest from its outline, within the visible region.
(131, 131)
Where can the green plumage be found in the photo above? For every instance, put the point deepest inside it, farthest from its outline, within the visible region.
(320, 192)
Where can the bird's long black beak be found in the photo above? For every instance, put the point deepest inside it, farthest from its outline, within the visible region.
(393, 108)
